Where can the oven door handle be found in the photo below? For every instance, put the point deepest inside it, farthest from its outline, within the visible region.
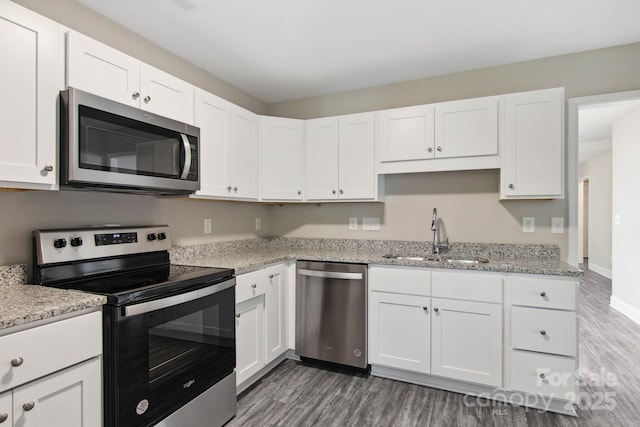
(187, 156)
(146, 307)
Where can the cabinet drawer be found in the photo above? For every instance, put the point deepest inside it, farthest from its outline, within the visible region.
(468, 285)
(49, 348)
(250, 285)
(543, 292)
(400, 280)
(545, 374)
(547, 331)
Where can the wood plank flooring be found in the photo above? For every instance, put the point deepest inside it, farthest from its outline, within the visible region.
(302, 394)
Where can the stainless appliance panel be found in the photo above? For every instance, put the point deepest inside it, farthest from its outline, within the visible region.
(331, 312)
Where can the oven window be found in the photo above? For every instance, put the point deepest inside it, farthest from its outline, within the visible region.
(113, 143)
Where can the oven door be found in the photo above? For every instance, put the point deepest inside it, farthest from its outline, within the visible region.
(161, 354)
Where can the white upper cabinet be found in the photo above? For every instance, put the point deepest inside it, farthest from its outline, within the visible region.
(466, 128)
(228, 148)
(282, 158)
(406, 134)
(99, 69)
(340, 158)
(533, 145)
(32, 75)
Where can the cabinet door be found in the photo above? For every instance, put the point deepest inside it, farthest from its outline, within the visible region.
(6, 408)
(70, 398)
(407, 134)
(275, 336)
(399, 331)
(322, 155)
(466, 128)
(467, 341)
(533, 145)
(99, 69)
(243, 155)
(249, 338)
(282, 158)
(213, 116)
(357, 157)
(166, 95)
(32, 70)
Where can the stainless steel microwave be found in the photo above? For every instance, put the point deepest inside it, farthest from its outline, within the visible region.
(110, 146)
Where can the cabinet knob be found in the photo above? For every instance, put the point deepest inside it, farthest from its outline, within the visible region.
(299, 192)
(135, 95)
(341, 192)
(29, 405)
(228, 188)
(436, 309)
(238, 315)
(543, 294)
(271, 276)
(430, 149)
(542, 376)
(425, 308)
(439, 148)
(543, 332)
(17, 362)
(254, 286)
(3, 417)
(511, 186)
(147, 99)
(48, 168)
(235, 189)
(333, 191)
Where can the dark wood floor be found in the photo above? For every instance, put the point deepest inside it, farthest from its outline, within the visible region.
(296, 394)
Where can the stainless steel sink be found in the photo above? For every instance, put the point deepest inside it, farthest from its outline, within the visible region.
(408, 257)
(437, 259)
(467, 261)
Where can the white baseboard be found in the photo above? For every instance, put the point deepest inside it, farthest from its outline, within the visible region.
(624, 308)
(600, 270)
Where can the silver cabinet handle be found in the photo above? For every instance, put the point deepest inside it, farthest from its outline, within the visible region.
(511, 186)
(29, 405)
(135, 95)
(341, 192)
(329, 274)
(3, 417)
(17, 362)
(271, 276)
(235, 189)
(147, 99)
(333, 191)
(543, 294)
(254, 286)
(543, 332)
(187, 156)
(439, 148)
(436, 309)
(430, 149)
(238, 315)
(299, 192)
(425, 308)
(48, 168)
(228, 188)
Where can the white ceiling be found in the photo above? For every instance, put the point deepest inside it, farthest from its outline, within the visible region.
(595, 124)
(279, 50)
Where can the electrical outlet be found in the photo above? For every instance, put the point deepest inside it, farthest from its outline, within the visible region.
(557, 225)
(353, 223)
(528, 224)
(258, 223)
(207, 226)
(371, 224)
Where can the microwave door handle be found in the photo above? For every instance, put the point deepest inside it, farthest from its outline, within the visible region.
(187, 156)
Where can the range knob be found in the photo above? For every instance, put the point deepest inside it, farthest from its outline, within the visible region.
(76, 241)
(151, 237)
(59, 243)
(162, 236)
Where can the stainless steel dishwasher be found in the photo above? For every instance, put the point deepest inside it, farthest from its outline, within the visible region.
(331, 312)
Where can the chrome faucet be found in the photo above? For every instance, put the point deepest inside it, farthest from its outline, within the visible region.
(437, 244)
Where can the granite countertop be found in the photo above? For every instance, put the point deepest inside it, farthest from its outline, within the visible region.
(245, 256)
(23, 303)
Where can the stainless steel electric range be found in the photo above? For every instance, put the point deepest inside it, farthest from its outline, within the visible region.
(168, 331)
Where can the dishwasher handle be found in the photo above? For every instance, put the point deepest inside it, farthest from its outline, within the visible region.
(330, 274)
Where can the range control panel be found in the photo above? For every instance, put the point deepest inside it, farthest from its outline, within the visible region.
(64, 245)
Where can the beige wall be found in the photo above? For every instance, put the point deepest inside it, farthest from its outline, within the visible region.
(599, 212)
(21, 212)
(80, 18)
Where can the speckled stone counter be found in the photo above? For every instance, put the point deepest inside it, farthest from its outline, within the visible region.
(248, 255)
(21, 304)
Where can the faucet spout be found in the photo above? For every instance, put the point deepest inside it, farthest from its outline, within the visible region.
(434, 220)
(437, 244)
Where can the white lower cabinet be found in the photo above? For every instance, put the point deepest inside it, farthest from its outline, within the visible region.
(6, 408)
(466, 341)
(260, 320)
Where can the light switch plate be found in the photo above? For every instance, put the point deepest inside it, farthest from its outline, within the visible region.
(371, 224)
(557, 225)
(528, 224)
(353, 223)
